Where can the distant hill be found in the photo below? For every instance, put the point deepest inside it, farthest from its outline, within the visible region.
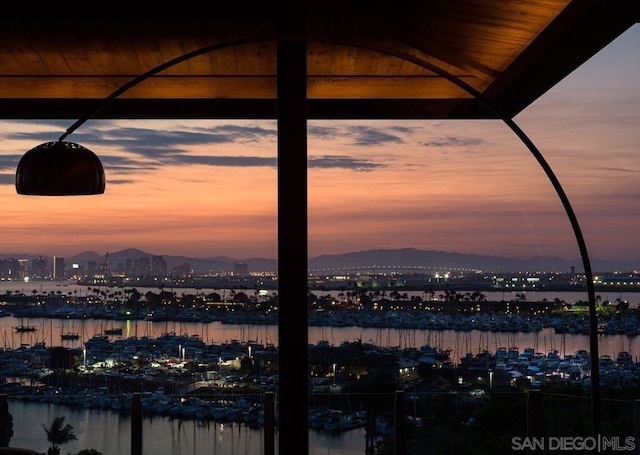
(380, 258)
(410, 257)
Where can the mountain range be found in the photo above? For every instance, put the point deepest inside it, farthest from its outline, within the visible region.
(381, 259)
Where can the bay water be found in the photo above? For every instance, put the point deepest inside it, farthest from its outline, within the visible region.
(109, 431)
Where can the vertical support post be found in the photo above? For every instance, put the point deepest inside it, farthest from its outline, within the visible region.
(136, 424)
(5, 427)
(293, 335)
(399, 442)
(534, 414)
(269, 424)
(636, 425)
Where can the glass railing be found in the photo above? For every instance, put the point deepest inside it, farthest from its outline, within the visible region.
(463, 420)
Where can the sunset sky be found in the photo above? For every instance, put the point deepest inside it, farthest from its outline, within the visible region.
(208, 188)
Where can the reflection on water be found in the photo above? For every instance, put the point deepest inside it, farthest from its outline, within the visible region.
(459, 343)
(109, 432)
(49, 331)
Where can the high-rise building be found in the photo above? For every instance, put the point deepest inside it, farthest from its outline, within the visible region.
(39, 268)
(24, 268)
(59, 272)
(241, 269)
(142, 266)
(92, 269)
(128, 267)
(77, 271)
(10, 269)
(158, 266)
(181, 270)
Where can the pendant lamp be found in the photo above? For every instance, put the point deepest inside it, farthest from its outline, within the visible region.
(68, 169)
(60, 168)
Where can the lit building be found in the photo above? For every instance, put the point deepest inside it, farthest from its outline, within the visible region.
(10, 269)
(142, 266)
(92, 268)
(24, 268)
(39, 268)
(241, 269)
(158, 266)
(58, 268)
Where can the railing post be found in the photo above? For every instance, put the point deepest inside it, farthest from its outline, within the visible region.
(4, 421)
(398, 424)
(534, 414)
(269, 423)
(636, 425)
(136, 424)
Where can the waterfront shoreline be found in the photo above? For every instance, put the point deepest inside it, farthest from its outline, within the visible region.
(523, 317)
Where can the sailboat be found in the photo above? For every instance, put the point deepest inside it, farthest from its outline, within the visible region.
(113, 331)
(69, 335)
(24, 327)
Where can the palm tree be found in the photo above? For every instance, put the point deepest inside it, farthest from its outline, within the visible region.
(6, 423)
(58, 434)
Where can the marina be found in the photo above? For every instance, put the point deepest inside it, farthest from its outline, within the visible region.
(232, 423)
(214, 407)
(458, 342)
(475, 351)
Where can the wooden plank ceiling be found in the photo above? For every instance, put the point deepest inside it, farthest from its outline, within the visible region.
(376, 59)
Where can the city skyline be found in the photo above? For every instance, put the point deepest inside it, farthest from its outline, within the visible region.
(377, 259)
(208, 188)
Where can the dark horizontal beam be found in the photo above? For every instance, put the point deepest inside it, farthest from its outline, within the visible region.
(241, 109)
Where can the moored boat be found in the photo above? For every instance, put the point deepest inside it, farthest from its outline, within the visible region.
(25, 328)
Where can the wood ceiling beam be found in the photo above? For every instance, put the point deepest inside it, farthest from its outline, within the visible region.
(445, 56)
(242, 109)
(231, 87)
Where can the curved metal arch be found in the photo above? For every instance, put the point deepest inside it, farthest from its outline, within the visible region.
(593, 319)
(577, 231)
(593, 334)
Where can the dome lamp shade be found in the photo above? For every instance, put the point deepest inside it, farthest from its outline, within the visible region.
(60, 168)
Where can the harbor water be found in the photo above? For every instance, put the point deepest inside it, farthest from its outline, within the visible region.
(108, 431)
(459, 343)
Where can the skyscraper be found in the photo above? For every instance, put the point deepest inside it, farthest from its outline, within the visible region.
(39, 268)
(241, 269)
(59, 272)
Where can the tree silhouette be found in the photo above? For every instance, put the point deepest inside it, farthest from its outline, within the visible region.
(6, 422)
(376, 392)
(58, 434)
